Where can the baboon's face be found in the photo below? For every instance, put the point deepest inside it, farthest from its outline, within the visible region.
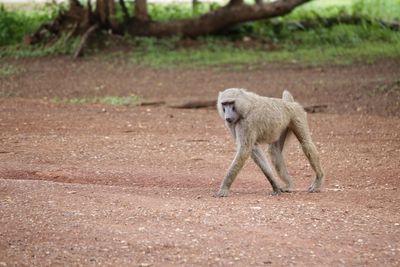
(231, 115)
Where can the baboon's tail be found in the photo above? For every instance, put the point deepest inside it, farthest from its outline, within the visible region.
(287, 96)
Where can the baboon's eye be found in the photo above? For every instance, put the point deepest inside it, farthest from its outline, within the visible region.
(233, 108)
(223, 109)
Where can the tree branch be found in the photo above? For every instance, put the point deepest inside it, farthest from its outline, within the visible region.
(84, 40)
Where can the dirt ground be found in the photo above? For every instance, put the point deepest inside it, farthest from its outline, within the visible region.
(89, 185)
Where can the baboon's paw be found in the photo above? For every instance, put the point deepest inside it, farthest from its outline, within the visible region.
(277, 191)
(313, 189)
(221, 193)
(287, 190)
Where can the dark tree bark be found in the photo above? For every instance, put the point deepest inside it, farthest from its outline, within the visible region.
(141, 10)
(235, 2)
(105, 12)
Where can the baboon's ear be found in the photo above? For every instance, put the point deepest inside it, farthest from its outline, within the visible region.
(219, 106)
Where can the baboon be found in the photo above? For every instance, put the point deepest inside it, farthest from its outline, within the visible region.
(253, 120)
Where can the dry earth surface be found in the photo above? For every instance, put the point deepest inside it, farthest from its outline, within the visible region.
(89, 185)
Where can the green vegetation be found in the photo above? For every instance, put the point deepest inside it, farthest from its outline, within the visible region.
(14, 25)
(250, 43)
(8, 70)
(6, 93)
(61, 46)
(131, 100)
(391, 87)
(375, 9)
(342, 44)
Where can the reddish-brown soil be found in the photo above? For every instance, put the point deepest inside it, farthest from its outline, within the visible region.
(95, 185)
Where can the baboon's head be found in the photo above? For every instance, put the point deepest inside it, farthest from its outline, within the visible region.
(231, 115)
(231, 106)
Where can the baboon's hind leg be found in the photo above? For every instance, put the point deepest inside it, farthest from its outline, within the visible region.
(275, 151)
(302, 132)
(261, 161)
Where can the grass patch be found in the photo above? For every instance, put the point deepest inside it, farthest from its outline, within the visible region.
(388, 88)
(131, 100)
(235, 57)
(8, 70)
(59, 47)
(7, 93)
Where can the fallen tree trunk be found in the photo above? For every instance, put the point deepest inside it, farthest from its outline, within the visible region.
(233, 13)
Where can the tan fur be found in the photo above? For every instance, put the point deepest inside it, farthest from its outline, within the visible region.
(267, 120)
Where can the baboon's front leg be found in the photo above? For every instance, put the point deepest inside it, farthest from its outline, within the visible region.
(242, 155)
(260, 159)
